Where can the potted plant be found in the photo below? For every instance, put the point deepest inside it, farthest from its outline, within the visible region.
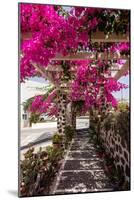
(57, 140)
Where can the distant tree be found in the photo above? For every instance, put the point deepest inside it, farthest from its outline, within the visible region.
(123, 106)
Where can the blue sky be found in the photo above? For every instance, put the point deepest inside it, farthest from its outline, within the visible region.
(40, 80)
(125, 92)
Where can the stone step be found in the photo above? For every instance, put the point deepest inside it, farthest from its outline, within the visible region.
(82, 139)
(83, 181)
(82, 145)
(94, 174)
(82, 130)
(83, 164)
(83, 159)
(83, 190)
(79, 133)
(82, 154)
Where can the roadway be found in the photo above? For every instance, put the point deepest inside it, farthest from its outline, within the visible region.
(41, 134)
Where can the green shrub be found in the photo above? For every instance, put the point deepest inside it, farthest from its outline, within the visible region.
(54, 155)
(120, 121)
(33, 166)
(38, 170)
(34, 118)
(69, 132)
(123, 125)
(123, 106)
(57, 138)
(107, 122)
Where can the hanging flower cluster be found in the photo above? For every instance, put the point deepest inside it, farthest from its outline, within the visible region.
(122, 48)
(26, 69)
(111, 99)
(85, 87)
(40, 105)
(53, 110)
(89, 81)
(113, 86)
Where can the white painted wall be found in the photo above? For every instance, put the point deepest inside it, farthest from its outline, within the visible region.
(27, 90)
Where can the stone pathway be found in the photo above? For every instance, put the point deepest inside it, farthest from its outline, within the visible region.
(82, 169)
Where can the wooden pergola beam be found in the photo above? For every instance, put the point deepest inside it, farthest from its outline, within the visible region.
(122, 71)
(90, 56)
(45, 75)
(39, 70)
(101, 37)
(95, 37)
(50, 68)
(58, 68)
(53, 68)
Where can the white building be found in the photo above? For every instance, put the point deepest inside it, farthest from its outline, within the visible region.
(27, 90)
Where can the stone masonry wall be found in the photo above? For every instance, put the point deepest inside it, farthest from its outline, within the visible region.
(61, 117)
(118, 148)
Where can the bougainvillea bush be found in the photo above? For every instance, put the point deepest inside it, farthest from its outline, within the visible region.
(54, 30)
(48, 30)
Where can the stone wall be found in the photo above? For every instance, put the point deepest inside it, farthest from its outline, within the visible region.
(117, 146)
(61, 117)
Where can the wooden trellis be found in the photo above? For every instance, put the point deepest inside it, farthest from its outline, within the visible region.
(91, 56)
(95, 37)
(50, 71)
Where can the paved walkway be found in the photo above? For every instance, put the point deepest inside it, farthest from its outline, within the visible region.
(82, 169)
